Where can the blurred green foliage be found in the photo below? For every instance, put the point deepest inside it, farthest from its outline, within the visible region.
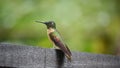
(86, 25)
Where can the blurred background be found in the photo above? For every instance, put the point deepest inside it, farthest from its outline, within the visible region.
(86, 25)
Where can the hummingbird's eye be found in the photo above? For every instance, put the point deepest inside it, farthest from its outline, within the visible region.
(52, 23)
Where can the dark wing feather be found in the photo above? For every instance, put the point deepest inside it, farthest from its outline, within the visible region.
(59, 43)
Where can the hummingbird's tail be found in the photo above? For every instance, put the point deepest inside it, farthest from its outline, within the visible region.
(68, 53)
(68, 57)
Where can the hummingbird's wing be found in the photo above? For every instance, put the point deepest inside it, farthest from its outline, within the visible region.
(57, 40)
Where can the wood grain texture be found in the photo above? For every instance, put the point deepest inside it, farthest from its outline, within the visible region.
(21, 56)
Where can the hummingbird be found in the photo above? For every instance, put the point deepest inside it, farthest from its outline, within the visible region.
(56, 39)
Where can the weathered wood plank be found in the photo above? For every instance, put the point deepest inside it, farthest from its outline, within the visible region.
(20, 56)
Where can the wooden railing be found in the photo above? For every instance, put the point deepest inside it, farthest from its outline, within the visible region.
(21, 56)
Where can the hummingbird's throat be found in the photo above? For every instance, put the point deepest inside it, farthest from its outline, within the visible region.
(49, 27)
(50, 30)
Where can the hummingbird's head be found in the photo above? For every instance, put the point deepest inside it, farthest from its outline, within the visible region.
(49, 24)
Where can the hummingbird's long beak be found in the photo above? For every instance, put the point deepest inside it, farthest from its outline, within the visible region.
(40, 22)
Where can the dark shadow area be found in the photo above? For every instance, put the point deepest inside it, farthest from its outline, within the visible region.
(60, 58)
(6, 67)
